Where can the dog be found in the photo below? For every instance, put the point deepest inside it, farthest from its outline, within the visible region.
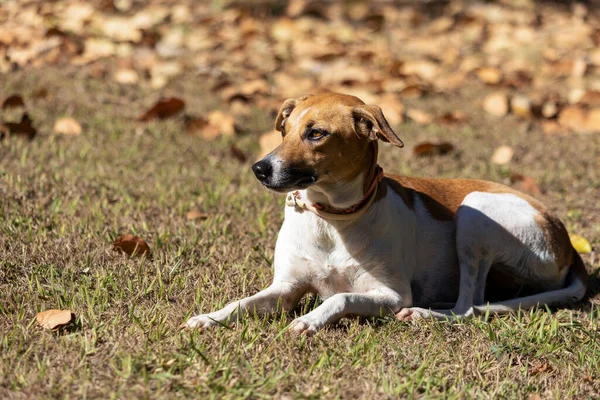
(371, 244)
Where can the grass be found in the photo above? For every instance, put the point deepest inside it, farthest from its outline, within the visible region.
(63, 200)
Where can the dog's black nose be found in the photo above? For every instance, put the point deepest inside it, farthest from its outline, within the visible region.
(263, 170)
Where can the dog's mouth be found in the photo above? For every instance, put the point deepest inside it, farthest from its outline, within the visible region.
(289, 185)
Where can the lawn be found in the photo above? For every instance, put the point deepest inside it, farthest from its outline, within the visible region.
(65, 199)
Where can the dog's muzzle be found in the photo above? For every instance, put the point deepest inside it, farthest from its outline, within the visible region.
(281, 179)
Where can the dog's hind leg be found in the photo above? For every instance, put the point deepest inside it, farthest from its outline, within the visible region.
(533, 247)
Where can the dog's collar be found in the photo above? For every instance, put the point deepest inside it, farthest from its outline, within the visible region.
(293, 200)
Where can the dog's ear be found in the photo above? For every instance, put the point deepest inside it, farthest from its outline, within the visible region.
(370, 122)
(286, 109)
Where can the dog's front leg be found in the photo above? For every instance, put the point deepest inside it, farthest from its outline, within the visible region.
(263, 303)
(369, 304)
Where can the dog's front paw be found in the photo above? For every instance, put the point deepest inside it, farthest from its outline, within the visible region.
(202, 321)
(412, 314)
(305, 325)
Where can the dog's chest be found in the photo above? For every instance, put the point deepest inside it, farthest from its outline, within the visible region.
(326, 259)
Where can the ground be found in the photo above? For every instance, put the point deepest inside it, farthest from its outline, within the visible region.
(65, 199)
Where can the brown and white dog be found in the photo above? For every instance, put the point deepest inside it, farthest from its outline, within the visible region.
(371, 244)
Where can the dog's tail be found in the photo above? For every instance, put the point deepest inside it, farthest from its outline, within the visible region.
(575, 287)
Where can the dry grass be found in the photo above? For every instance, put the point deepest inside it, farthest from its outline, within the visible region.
(64, 199)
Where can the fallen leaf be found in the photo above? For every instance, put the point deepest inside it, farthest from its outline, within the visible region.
(489, 75)
(552, 127)
(23, 128)
(432, 149)
(95, 48)
(67, 126)
(195, 214)
(237, 153)
(126, 76)
(496, 104)
(580, 244)
(525, 184)
(575, 95)
(53, 319)
(591, 98)
(163, 109)
(580, 120)
(268, 142)
(502, 155)
(132, 246)
(162, 72)
(544, 367)
(200, 126)
(392, 108)
(411, 92)
(225, 123)
(13, 101)
(452, 118)
(549, 109)
(41, 93)
(420, 117)
(521, 106)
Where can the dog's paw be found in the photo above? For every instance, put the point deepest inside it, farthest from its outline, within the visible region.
(202, 321)
(412, 314)
(305, 326)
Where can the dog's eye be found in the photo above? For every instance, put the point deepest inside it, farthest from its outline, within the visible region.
(316, 135)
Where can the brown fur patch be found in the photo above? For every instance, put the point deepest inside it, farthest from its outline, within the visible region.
(557, 237)
(442, 197)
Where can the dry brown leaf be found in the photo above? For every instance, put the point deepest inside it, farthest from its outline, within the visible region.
(489, 75)
(392, 108)
(225, 122)
(496, 104)
(22, 128)
(591, 98)
(163, 109)
(126, 76)
(575, 95)
(13, 101)
(452, 118)
(580, 120)
(549, 109)
(411, 92)
(95, 48)
(420, 117)
(201, 127)
(132, 246)
(195, 214)
(432, 149)
(502, 155)
(521, 106)
(67, 126)
(525, 184)
(538, 369)
(54, 319)
(268, 142)
(452, 81)
(552, 127)
(237, 153)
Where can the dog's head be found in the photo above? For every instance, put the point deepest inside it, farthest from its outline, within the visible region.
(326, 138)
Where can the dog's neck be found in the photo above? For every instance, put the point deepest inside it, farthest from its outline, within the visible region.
(344, 194)
(336, 195)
